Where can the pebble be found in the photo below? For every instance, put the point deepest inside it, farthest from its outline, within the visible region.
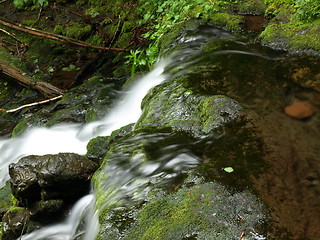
(299, 110)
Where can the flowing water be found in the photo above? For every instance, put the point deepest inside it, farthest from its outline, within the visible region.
(186, 57)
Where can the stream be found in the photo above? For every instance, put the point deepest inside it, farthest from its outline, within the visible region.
(258, 78)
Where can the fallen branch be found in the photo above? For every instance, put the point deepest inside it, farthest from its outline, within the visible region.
(11, 35)
(57, 37)
(44, 88)
(31, 104)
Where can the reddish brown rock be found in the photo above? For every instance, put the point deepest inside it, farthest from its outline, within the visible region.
(299, 110)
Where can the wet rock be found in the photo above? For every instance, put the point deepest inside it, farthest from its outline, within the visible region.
(99, 146)
(16, 222)
(173, 105)
(6, 199)
(61, 176)
(44, 209)
(85, 103)
(300, 110)
(204, 211)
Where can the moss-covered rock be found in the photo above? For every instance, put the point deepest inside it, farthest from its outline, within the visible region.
(97, 147)
(173, 105)
(7, 200)
(205, 211)
(228, 21)
(85, 103)
(294, 35)
(131, 167)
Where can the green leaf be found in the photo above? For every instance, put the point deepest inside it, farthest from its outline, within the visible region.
(228, 169)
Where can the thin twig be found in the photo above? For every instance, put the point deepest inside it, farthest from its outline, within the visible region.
(11, 35)
(115, 33)
(2, 44)
(32, 104)
(242, 236)
(39, 14)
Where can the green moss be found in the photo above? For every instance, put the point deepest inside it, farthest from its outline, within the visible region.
(97, 147)
(12, 60)
(228, 21)
(123, 40)
(58, 29)
(97, 39)
(27, 124)
(207, 211)
(7, 200)
(293, 36)
(4, 92)
(173, 105)
(252, 7)
(28, 22)
(73, 30)
(78, 31)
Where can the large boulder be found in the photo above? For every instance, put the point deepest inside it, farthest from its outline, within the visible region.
(62, 176)
(175, 105)
(203, 211)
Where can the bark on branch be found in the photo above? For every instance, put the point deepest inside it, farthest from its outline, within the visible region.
(45, 88)
(57, 37)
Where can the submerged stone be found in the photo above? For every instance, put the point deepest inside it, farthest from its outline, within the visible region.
(299, 110)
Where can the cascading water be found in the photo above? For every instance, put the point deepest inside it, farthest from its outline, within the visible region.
(74, 138)
(127, 110)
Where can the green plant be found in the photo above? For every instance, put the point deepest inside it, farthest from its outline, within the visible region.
(71, 67)
(308, 10)
(20, 4)
(142, 60)
(164, 14)
(158, 17)
(137, 60)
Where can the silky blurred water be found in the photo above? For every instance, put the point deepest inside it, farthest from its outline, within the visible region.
(127, 180)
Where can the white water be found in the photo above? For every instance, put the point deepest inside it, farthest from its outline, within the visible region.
(67, 229)
(127, 110)
(74, 138)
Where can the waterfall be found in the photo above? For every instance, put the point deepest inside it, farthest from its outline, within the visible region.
(74, 138)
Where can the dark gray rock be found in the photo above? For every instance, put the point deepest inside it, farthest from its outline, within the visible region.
(61, 176)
